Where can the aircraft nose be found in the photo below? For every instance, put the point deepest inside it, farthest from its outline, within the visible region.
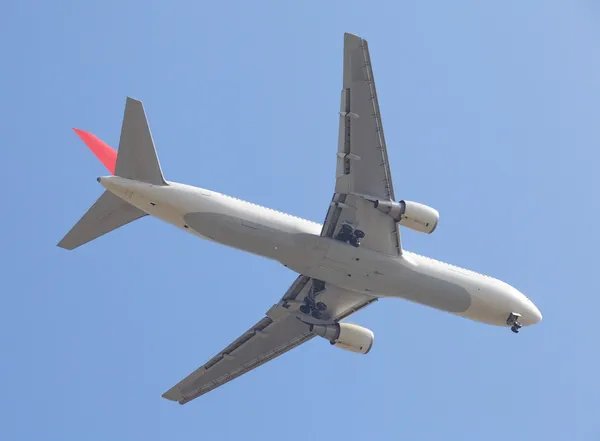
(532, 314)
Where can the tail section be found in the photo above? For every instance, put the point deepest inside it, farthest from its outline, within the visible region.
(136, 159)
(107, 214)
(105, 153)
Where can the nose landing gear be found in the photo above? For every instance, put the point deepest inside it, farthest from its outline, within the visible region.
(311, 306)
(513, 322)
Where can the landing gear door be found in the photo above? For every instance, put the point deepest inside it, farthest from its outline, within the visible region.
(341, 252)
(322, 246)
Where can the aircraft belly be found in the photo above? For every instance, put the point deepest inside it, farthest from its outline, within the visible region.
(366, 271)
(243, 234)
(435, 292)
(356, 269)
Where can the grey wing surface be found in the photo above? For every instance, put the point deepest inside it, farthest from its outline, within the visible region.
(277, 333)
(362, 172)
(108, 213)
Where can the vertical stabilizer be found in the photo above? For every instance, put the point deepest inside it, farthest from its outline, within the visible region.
(137, 159)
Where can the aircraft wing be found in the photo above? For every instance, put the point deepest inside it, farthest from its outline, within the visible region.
(363, 171)
(277, 333)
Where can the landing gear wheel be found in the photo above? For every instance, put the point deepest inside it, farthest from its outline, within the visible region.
(305, 309)
(317, 314)
(321, 306)
(354, 241)
(359, 233)
(515, 328)
(345, 233)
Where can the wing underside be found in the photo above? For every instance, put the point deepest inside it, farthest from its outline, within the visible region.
(362, 173)
(263, 342)
(274, 335)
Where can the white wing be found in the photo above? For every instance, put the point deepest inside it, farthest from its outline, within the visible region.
(277, 333)
(363, 172)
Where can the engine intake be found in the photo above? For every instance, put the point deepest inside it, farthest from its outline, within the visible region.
(346, 336)
(418, 217)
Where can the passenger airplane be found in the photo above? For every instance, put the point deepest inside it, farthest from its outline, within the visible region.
(347, 263)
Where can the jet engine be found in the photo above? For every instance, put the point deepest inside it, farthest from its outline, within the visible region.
(346, 336)
(412, 215)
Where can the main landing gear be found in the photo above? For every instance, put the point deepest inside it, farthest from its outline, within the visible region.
(350, 235)
(513, 322)
(311, 306)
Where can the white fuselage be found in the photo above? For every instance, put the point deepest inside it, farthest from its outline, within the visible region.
(297, 244)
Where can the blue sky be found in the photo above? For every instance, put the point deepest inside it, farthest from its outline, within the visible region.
(490, 111)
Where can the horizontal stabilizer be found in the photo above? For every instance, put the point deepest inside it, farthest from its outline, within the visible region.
(107, 214)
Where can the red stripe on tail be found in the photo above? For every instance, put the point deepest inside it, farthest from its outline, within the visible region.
(105, 153)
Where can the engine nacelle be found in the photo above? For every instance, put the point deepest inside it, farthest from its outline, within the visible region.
(346, 336)
(412, 215)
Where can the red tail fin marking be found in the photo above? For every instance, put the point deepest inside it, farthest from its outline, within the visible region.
(105, 153)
